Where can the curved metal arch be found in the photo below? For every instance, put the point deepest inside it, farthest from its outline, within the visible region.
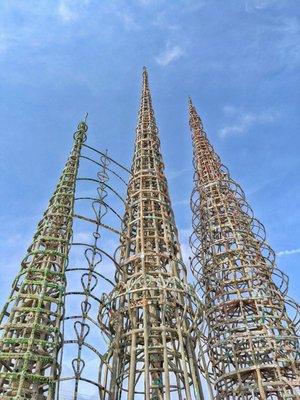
(109, 158)
(89, 298)
(108, 169)
(102, 202)
(93, 221)
(95, 272)
(105, 184)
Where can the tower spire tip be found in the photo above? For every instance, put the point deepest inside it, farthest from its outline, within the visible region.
(145, 78)
(145, 73)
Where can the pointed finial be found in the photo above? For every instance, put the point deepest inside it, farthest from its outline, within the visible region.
(192, 108)
(145, 76)
(81, 127)
(194, 114)
(145, 80)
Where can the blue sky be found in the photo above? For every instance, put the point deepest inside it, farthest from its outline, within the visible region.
(238, 60)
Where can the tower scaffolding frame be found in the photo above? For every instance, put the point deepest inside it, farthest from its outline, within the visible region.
(30, 322)
(152, 315)
(251, 336)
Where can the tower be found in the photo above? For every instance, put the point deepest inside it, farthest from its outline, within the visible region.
(31, 318)
(252, 343)
(151, 316)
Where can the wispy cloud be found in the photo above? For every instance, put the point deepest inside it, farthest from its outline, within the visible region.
(251, 5)
(289, 44)
(70, 10)
(173, 174)
(129, 21)
(127, 18)
(241, 121)
(288, 252)
(171, 53)
(262, 186)
(229, 110)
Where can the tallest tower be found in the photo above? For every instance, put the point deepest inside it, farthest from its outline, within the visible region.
(150, 316)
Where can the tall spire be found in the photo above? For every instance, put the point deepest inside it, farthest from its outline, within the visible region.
(152, 311)
(30, 320)
(252, 342)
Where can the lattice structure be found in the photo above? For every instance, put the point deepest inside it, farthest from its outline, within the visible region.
(99, 204)
(151, 315)
(30, 320)
(252, 343)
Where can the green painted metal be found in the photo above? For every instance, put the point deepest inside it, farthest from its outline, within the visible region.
(31, 319)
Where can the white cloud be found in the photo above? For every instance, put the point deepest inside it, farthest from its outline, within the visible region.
(242, 121)
(66, 13)
(127, 19)
(289, 44)
(288, 252)
(229, 110)
(173, 174)
(259, 4)
(124, 14)
(171, 53)
(69, 10)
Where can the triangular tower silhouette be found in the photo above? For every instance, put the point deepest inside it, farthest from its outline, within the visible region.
(152, 312)
(251, 343)
(31, 318)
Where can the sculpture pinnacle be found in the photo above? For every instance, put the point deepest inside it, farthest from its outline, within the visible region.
(152, 351)
(30, 321)
(195, 120)
(252, 343)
